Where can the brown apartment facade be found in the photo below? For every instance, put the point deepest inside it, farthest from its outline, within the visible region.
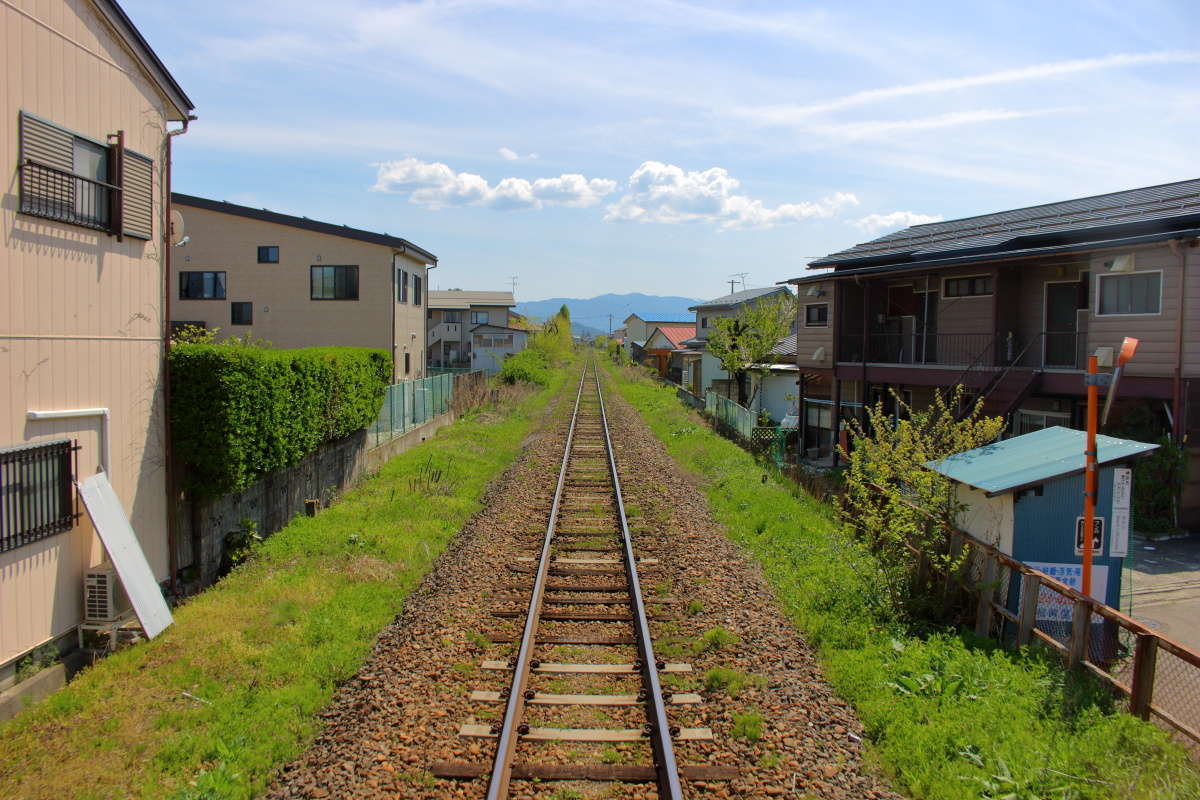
(297, 282)
(1010, 305)
(86, 145)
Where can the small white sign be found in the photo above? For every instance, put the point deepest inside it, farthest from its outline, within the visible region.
(1052, 606)
(1122, 488)
(1119, 546)
(1097, 536)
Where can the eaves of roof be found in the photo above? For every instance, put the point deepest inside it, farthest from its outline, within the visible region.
(120, 22)
(1005, 255)
(304, 223)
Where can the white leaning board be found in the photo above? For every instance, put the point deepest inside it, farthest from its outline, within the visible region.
(122, 545)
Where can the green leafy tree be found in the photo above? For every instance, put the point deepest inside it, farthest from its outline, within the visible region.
(892, 499)
(742, 342)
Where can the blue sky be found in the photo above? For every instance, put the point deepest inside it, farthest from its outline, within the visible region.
(661, 146)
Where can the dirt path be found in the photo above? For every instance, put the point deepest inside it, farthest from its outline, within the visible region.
(402, 712)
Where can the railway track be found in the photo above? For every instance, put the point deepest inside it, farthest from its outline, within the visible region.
(580, 590)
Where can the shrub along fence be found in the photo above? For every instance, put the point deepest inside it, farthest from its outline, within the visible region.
(1010, 601)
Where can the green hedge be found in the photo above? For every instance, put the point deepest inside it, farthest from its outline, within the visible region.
(240, 412)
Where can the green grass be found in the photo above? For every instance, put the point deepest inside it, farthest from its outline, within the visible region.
(265, 649)
(731, 681)
(947, 716)
(716, 639)
(748, 726)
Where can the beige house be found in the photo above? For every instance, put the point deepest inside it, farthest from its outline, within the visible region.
(1010, 305)
(83, 266)
(454, 314)
(296, 282)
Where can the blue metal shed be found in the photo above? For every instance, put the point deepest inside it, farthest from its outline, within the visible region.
(1025, 495)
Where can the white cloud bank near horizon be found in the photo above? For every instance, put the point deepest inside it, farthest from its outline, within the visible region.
(655, 193)
(436, 185)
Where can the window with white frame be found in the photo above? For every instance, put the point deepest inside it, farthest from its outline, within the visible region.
(1029, 421)
(1132, 293)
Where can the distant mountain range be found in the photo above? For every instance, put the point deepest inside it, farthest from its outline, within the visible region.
(589, 315)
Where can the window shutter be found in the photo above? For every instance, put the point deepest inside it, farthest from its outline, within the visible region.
(137, 218)
(54, 147)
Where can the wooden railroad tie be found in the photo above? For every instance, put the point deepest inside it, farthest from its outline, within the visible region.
(509, 638)
(546, 699)
(576, 616)
(592, 669)
(586, 734)
(629, 773)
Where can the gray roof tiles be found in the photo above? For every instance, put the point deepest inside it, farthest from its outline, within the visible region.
(1178, 202)
(739, 297)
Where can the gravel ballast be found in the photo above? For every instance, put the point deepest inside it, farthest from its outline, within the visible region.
(401, 713)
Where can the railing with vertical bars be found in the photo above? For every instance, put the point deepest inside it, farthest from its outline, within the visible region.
(36, 494)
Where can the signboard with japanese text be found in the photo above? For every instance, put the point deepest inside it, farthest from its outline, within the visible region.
(1122, 496)
(1053, 607)
(1097, 536)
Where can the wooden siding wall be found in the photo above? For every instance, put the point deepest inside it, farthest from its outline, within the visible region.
(1156, 332)
(808, 340)
(958, 315)
(80, 313)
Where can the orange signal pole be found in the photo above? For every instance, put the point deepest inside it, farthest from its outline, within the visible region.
(1089, 484)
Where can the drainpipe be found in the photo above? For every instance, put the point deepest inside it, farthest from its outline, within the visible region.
(1178, 246)
(168, 247)
(73, 413)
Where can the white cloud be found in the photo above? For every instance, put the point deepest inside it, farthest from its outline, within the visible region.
(436, 185)
(512, 155)
(1054, 69)
(882, 128)
(666, 193)
(875, 224)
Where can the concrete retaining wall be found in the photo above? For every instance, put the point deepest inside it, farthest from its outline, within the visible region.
(271, 502)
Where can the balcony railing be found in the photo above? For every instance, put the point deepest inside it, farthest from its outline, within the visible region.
(1042, 350)
(59, 195)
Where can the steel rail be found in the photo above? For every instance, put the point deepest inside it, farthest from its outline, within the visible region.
(669, 787)
(514, 709)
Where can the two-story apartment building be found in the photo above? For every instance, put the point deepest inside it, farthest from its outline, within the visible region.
(1010, 305)
(297, 282)
(701, 370)
(83, 264)
(455, 313)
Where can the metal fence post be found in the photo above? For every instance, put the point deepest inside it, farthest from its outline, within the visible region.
(1030, 584)
(1145, 655)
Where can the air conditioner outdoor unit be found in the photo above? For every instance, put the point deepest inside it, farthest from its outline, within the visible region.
(100, 589)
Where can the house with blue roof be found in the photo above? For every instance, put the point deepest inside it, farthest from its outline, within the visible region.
(1024, 496)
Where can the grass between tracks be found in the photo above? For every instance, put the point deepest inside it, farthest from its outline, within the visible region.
(262, 652)
(947, 715)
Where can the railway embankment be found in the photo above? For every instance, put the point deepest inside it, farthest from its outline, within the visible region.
(237, 686)
(945, 715)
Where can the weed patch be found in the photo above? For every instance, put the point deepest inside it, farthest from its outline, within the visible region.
(232, 690)
(948, 717)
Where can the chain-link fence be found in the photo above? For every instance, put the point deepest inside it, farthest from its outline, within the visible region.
(1157, 677)
(729, 415)
(411, 403)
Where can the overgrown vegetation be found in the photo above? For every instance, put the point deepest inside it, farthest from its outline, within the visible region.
(1156, 478)
(948, 717)
(890, 496)
(548, 348)
(741, 343)
(260, 654)
(240, 411)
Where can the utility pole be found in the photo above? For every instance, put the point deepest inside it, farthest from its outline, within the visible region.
(513, 280)
(610, 324)
(731, 283)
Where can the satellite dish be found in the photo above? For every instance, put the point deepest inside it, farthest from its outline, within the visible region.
(176, 226)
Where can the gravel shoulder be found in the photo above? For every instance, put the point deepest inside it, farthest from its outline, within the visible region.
(402, 711)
